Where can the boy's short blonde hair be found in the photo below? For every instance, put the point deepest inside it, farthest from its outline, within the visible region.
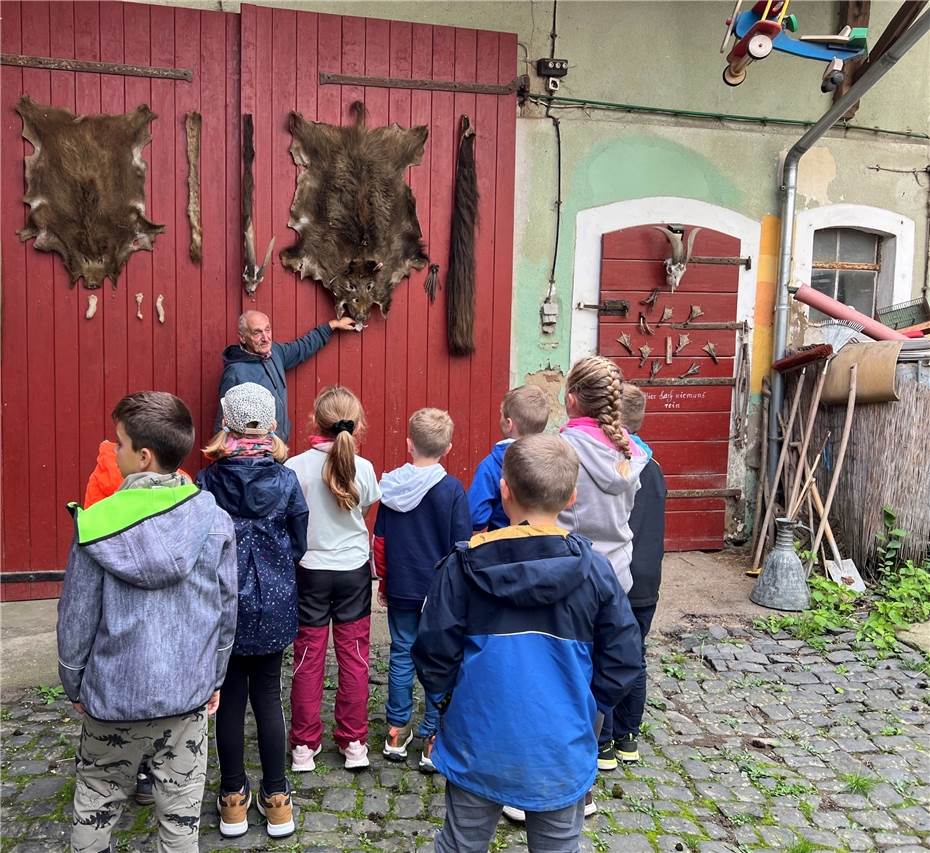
(528, 407)
(541, 471)
(632, 407)
(430, 431)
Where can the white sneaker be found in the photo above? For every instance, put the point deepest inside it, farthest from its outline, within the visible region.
(302, 758)
(356, 754)
(515, 814)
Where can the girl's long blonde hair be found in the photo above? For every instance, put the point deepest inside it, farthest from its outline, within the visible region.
(216, 449)
(596, 383)
(333, 409)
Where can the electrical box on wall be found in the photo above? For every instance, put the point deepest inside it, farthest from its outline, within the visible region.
(552, 67)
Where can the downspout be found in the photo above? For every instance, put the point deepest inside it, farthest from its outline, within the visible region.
(872, 74)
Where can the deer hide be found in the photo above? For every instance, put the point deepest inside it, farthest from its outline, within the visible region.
(85, 186)
(354, 215)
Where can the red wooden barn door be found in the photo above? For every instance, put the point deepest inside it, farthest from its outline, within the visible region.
(62, 373)
(687, 425)
(399, 363)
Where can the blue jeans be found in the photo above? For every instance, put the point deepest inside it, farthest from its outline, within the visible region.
(403, 625)
(628, 715)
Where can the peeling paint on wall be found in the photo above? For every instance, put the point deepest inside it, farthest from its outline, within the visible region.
(552, 382)
(816, 171)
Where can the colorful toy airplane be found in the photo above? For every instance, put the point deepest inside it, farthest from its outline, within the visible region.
(766, 27)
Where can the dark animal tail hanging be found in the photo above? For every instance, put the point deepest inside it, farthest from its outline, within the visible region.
(460, 279)
(431, 285)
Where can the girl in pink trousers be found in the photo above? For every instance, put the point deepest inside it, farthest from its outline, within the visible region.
(333, 581)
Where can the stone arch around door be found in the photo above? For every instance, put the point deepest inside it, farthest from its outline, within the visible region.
(623, 227)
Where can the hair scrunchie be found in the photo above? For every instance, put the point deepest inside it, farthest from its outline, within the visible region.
(344, 426)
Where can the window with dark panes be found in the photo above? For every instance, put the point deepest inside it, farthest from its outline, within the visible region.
(845, 266)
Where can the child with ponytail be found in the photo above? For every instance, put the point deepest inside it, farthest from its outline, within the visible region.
(333, 581)
(608, 479)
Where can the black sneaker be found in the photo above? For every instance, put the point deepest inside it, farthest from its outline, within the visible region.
(607, 757)
(144, 795)
(628, 748)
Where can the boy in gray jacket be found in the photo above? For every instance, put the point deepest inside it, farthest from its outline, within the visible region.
(146, 623)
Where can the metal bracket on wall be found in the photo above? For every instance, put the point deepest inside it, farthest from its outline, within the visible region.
(739, 326)
(328, 79)
(51, 63)
(711, 259)
(704, 493)
(613, 307)
(713, 380)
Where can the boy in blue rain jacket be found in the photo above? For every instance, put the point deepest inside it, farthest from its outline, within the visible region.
(526, 635)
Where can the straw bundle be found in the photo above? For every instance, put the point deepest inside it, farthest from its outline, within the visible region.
(886, 465)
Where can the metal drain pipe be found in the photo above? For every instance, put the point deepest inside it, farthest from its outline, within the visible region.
(872, 74)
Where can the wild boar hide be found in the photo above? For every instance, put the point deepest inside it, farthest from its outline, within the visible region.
(85, 186)
(355, 217)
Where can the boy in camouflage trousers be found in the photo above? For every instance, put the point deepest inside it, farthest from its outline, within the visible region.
(146, 623)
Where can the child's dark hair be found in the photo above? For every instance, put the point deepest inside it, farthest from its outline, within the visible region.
(159, 421)
(541, 471)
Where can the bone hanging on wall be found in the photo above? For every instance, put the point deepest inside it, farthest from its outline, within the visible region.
(460, 281)
(85, 185)
(354, 215)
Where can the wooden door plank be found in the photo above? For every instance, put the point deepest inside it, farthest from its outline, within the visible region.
(419, 308)
(646, 243)
(303, 385)
(647, 275)
(442, 171)
(14, 388)
(398, 330)
(215, 325)
(39, 350)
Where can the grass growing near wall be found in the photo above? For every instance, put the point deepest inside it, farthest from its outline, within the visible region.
(901, 598)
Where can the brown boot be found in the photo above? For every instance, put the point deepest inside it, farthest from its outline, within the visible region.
(278, 811)
(234, 809)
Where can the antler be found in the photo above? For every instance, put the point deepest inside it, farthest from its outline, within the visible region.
(675, 241)
(691, 235)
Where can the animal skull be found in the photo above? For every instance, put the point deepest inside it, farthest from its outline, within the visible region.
(676, 265)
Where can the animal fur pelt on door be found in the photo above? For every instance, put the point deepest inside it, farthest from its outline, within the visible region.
(460, 280)
(192, 125)
(85, 186)
(355, 217)
(252, 273)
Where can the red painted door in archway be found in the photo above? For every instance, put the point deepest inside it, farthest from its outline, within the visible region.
(687, 417)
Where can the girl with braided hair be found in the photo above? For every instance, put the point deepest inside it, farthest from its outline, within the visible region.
(608, 478)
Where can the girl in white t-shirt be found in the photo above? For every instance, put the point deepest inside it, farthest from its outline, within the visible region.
(333, 581)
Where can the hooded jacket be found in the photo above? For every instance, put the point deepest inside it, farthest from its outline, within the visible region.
(607, 484)
(647, 523)
(270, 517)
(531, 636)
(484, 494)
(240, 365)
(147, 613)
(423, 513)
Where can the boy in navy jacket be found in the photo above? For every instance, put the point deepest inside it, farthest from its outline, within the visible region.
(423, 513)
(524, 411)
(525, 637)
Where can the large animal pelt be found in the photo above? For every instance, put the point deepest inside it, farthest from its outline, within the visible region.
(355, 217)
(85, 186)
(460, 281)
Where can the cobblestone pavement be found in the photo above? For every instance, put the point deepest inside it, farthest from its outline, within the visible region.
(751, 743)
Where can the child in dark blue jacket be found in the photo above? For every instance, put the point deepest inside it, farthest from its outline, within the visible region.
(524, 411)
(270, 515)
(525, 637)
(423, 513)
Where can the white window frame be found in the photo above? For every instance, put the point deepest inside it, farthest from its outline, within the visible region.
(896, 234)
